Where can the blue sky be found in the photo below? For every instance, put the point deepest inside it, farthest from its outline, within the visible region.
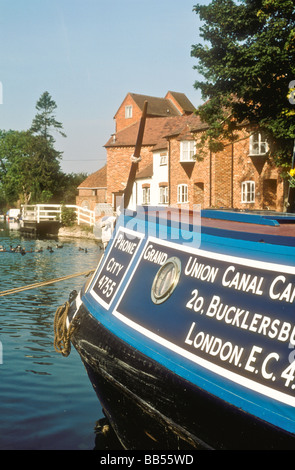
(88, 54)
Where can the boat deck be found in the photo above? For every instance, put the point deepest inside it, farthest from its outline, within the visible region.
(268, 227)
(283, 230)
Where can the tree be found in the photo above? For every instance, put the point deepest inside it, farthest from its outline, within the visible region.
(46, 175)
(13, 165)
(29, 169)
(44, 122)
(29, 164)
(248, 62)
(43, 171)
(67, 187)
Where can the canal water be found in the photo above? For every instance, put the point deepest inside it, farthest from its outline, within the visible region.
(46, 400)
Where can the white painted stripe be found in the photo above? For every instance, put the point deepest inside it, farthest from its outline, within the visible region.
(248, 383)
(269, 266)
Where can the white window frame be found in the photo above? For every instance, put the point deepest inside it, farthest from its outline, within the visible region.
(128, 111)
(163, 159)
(187, 150)
(248, 192)
(163, 195)
(182, 193)
(146, 195)
(258, 144)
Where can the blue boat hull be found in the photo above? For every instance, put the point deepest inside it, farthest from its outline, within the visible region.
(188, 333)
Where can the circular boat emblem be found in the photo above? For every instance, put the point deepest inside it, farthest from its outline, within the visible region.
(166, 280)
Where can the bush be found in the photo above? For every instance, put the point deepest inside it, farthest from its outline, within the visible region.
(68, 216)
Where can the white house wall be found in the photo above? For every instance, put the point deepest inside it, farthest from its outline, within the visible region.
(160, 175)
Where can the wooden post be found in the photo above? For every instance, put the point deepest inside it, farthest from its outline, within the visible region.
(136, 155)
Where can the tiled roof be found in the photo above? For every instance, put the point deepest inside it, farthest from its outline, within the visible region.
(173, 104)
(183, 101)
(147, 172)
(156, 131)
(95, 180)
(156, 106)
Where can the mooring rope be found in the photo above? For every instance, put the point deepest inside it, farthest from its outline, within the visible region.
(43, 283)
(62, 334)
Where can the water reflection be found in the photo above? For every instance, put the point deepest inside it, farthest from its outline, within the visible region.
(46, 400)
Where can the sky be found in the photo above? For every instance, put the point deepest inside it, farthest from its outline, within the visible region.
(88, 54)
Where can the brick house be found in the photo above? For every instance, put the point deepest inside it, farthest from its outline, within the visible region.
(93, 190)
(242, 176)
(174, 104)
(120, 147)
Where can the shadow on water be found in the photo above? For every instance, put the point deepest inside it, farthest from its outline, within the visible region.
(46, 401)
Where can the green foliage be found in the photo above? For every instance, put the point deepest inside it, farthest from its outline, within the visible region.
(68, 216)
(30, 166)
(67, 189)
(247, 61)
(44, 121)
(15, 163)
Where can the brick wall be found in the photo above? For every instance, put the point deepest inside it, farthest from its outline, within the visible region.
(121, 120)
(216, 181)
(269, 186)
(195, 174)
(86, 195)
(170, 97)
(119, 164)
(221, 178)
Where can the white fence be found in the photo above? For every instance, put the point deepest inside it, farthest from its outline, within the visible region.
(39, 212)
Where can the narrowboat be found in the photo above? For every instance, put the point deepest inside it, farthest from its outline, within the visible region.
(187, 329)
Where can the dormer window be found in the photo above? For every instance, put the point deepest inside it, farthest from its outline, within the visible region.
(128, 112)
(258, 144)
(187, 150)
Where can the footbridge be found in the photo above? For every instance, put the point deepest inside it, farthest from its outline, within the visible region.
(47, 218)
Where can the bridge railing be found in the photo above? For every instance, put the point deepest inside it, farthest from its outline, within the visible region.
(39, 212)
